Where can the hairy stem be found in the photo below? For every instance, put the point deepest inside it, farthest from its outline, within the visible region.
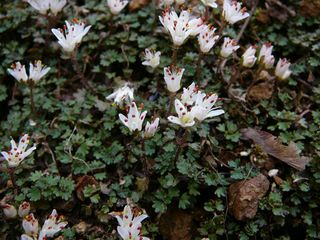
(171, 100)
(31, 86)
(13, 179)
(174, 55)
(198, 69)
(181, 144)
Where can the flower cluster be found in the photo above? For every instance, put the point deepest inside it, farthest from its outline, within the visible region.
(71, 35)
(18, 153)
(53, 224)
(43, 6)
(232, 11)
(10, 211)
(180, 27)
(194, 105)
(36, 71)
(266, 60)
(129, 225)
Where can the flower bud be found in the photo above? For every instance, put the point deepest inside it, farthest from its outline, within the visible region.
(24, 209)
(9, 211)
(30, 225)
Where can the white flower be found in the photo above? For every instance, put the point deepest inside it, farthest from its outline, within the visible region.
(185, 118)
(152, 58)
(232, 11)
(72, 34)
(26, 237)
(282, 69)
(228, 47)
(172, 77)
(151, 128)
(273, 172)
(19, 72)
(135, 118)
(187, 97)
(57, 5)
(116, 5)
(41, 5)
(131, 233)
(52, 225)
(180, 28)
(18, 153)
(248, 58)
(128, 219)
(24, 209)
(203, 107)
(9, 211)
(210, 3)
(124, 93)
(265, 55)
(30, 225)
(37, 71)
(207, 38)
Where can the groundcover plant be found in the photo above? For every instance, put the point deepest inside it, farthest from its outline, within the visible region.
(137, 120)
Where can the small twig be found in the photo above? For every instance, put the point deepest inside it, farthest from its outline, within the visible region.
(245, 25)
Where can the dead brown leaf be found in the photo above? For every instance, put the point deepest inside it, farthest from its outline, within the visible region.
(137, 4)
(82, 182)
(273, 146)
(261, 91)
(310, 8)
(244, 196)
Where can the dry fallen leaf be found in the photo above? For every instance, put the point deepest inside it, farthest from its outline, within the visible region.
(244, 196)
(137, 4)
(261, 91)
(273, 146)
(310, 8)
(82, 182)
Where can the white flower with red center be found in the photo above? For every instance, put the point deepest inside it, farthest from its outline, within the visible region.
(282, 69)
(37, 71)
(207, 38)
(52, 225)
(232, 11)
(134, 119)
(185, 118)
(229, 46)
(24, 209)
(172, 77)
(116, 6)
(19, 72)
(151, 128)
(210, 3)
(265, 56)
(249, 58)
(18, 153)
(187, 97)
(30, 225)
(71, 35)
(203, 107)
(152, 58)
(9, 211)
(123, 94)
(180, 27)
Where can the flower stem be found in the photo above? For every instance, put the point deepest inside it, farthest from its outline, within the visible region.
(174, 55)
(31, 86)
(79, 73)
(181, 144)
(13, 180)
(198, 70)
(171, 100)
